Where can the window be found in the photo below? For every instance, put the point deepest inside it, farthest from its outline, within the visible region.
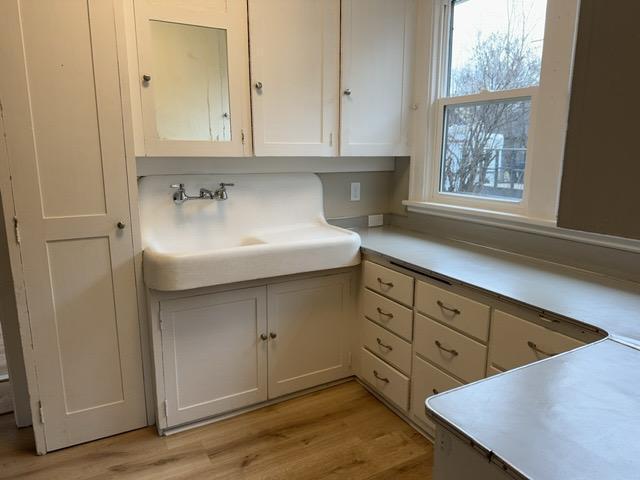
(493, 141)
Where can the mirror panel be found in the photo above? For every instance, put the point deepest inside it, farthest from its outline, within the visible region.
(190, 82)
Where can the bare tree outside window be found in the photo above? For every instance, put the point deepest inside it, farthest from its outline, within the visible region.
(485, 142)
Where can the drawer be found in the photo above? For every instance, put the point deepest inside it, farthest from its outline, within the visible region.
(515, 342)
(388, 282)
(455, 353)
(427, 380)
(459, 312)
(386, 345)
(388, 313)
(493, 370)
(385, 379)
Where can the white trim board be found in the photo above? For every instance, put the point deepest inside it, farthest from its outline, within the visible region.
(190, 165)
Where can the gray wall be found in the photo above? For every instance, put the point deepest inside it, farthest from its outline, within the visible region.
(601, 178)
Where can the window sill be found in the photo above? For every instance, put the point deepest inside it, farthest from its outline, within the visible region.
(520, 223)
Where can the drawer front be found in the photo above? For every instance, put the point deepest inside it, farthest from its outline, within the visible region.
(386, 345)
(515, 342)
(493, 370)
(455, 353)
(385, 379)
(461, 313)
(388, 282)
(427, 380)
(388, 313)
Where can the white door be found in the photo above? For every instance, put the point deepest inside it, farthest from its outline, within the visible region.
(63, 118)
(308, 333)
(214, 350)
(295, 61)
(194, 77)
(377, 58)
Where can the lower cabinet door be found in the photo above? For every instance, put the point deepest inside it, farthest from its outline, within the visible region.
(213, 356)
(308, 333)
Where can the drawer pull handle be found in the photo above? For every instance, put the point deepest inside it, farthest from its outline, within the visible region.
(435, 392)
(388, 347)
(386, 284)
(444, 349)
(386, 314)
(535, 348)
(377, 375)
(455, 311)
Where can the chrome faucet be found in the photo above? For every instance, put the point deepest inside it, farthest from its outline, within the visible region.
(181, 195)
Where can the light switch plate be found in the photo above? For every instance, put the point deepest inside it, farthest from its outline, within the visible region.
(376, 220)
(355, 191)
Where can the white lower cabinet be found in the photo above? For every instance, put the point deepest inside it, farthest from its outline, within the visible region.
(224, 351)
(213, 358)
(308, 333)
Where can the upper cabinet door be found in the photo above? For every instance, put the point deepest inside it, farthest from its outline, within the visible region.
(377, 60)
(194, 76)
(295, 61)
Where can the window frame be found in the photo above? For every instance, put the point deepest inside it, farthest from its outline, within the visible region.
(547, 122)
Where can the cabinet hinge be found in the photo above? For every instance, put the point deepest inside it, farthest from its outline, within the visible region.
(161, 323)
(41, 412)
(16, 229)
(242, 136)
(166, 409)
(331, 139)
(349, 359)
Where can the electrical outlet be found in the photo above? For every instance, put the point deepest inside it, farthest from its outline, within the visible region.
(355, 191)
(376, 220)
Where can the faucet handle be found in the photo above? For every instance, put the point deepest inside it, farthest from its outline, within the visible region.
(222, 184)
(177, 185)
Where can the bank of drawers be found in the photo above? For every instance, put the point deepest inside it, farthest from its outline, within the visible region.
(387, 331)
(419, 339)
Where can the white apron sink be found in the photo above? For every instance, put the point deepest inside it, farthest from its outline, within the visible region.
(271, 225)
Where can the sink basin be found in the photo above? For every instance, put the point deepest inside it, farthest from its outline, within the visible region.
(271, 225)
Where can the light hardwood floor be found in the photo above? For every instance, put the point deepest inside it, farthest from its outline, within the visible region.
(339, 433)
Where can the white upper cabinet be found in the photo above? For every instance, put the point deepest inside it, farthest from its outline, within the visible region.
(377, 71)
(193, 76)
(295, 62)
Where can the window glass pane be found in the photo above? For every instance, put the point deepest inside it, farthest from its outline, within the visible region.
(485, 149)
(495, 45)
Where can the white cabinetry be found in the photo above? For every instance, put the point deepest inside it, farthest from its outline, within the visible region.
(221, 351)
(193, 77)
(295, 61)
(376, 76)
(308, 329)
(214, 358)
(62, 117)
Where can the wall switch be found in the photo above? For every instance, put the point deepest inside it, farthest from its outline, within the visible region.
(355, 191)
(376, 220)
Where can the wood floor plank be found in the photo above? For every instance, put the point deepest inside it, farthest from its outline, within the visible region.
(340, 432)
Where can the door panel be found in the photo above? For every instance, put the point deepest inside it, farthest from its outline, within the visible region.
(377, 54)
(310, 321)
(214, 359)
(65, 144)
(295, 55)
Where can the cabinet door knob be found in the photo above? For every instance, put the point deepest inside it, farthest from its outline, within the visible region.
(121, 225)
(146, 77)
(273, 335)
(263, 336)
(258, 85)
(347, 92)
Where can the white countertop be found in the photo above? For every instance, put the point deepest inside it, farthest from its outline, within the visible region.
(573, 416)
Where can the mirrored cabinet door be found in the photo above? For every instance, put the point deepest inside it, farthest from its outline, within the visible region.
(193, 76)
